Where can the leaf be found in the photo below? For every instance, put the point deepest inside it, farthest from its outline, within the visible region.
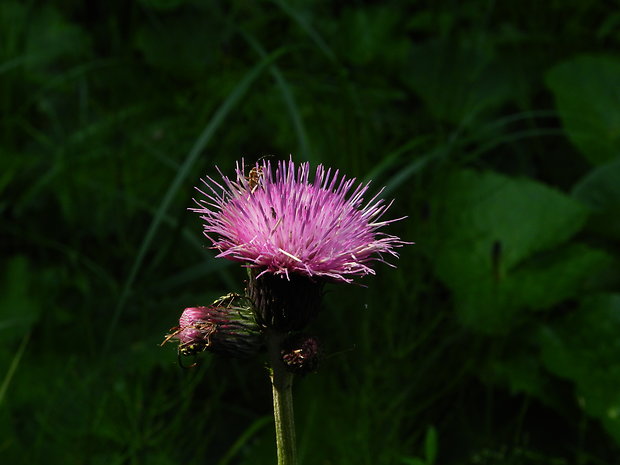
(371, 35)
(489, 226)
(600, 190)
(584, 348)
(18, 310)
(557, 276)
(458, 82)
(587, 96)
(8, 376)
(412, 461)
(51, 39)
(430, 445)
(185, 44)
(522, 372)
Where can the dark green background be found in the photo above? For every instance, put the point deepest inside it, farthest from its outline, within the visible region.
(495, 126)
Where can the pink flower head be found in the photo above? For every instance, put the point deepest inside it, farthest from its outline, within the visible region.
(195, 330)
(284, 222)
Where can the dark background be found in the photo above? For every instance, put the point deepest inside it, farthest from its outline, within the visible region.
(494, 125)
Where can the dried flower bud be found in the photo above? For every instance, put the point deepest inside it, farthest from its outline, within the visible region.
(300, 354)
(226, 327)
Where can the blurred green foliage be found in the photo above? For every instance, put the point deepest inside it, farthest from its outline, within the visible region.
(495, 125)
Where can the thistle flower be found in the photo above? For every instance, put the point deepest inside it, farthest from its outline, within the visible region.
(285, 223)
(226, 327)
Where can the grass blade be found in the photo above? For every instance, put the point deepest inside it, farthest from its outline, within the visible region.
(13, 368)
(289, 101)
(222, 112)
(244, 438)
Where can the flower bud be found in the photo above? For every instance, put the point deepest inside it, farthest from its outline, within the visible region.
(300, 354)
(226, 327)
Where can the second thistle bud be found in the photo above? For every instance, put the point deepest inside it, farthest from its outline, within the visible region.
(227, 327)
(300, 354)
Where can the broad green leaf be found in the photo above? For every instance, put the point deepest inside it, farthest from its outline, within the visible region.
(600, 190)
(51, 39)
(587, 96)
(494, 302)
(522, 372)
(585, 348)
(557, 276)
(489, 226)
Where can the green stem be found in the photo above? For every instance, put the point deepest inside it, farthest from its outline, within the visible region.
(281, 385)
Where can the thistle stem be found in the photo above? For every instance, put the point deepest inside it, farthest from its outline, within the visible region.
(281, 385)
